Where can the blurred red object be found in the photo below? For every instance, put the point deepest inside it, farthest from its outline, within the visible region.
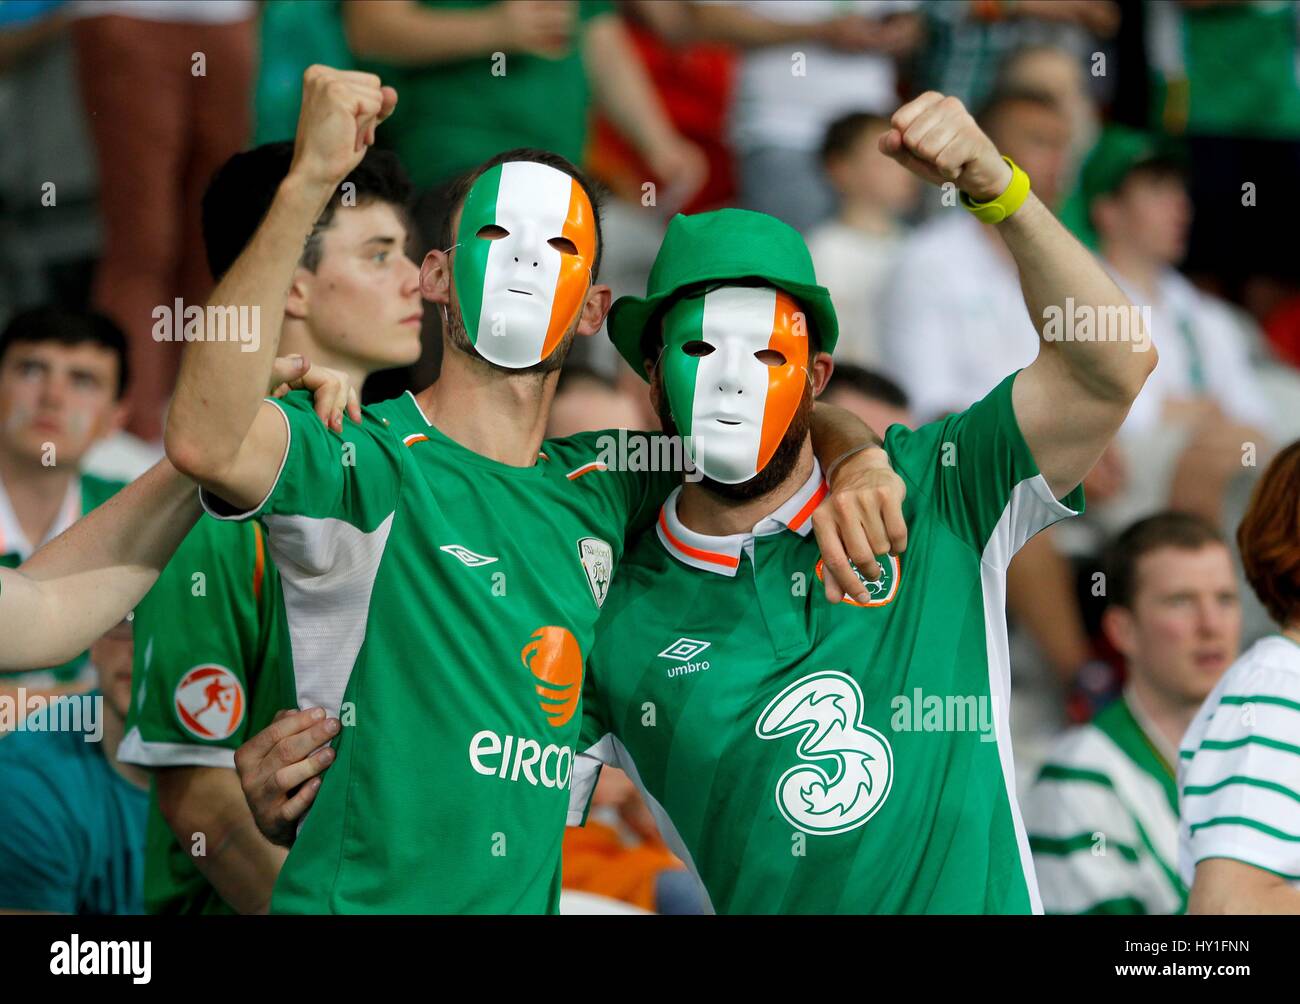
(1282, 326)
(695, 84)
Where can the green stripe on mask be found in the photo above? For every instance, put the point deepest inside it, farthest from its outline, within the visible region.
(683, 323)
(469, 271)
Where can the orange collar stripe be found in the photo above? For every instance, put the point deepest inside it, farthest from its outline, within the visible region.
(808, 507)
(710, 556)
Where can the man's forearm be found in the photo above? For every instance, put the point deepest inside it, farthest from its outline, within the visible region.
(220, 386)
(84, 581)
(837, 434)
(1061, 281)
(736, 25)
(622, 86)
(241, 864)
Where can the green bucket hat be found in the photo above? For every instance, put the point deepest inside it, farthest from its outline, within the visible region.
(727, 244)
(1119, 151)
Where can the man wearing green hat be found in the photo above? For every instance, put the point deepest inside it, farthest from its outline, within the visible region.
(802, 756)
(1188, 424)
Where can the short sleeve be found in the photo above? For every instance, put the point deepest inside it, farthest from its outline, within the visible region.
(636, 471)
(1241, 790)
(199, 636)
(354, 477)
(38, 852)
(980, 476)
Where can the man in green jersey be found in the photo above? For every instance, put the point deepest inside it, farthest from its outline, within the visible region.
(442, 569)
(808, 757)
(208, 632)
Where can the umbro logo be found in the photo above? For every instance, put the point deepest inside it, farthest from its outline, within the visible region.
(467, 556)
(684, 648)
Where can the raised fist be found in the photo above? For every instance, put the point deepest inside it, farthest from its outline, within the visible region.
(935, 137)
(340, 109)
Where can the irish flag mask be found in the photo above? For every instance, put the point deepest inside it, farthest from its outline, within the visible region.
(526, 244)
(735, 364)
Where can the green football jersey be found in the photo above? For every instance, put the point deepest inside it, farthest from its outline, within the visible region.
(87, 492)
(203, 682)
(441, 604)
(808, 757)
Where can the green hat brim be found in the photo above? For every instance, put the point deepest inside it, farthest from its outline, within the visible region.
(630, 316)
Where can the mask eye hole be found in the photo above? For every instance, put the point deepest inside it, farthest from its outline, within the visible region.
(563, 245)
(697, 348)
(492, 232)
(770, 357)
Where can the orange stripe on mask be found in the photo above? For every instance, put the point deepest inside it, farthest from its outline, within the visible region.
(575, 270)
(785, 383)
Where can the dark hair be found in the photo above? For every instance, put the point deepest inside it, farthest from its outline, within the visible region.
(1179, 530)
(868, 383)
(1002, 99)
(652, 336)
(1269, 537)
(241, 192)
(69, 327)
(844, 132)
(460, 187)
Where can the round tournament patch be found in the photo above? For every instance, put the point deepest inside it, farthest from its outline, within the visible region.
(209, 702)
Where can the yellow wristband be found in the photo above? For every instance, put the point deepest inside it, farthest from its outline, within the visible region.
(997, 210)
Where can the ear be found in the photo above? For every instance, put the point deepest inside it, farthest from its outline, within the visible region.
(298, 303)
(435, 277)
(114, 420)
(594, 309)
(1120, 628)
(820, 372)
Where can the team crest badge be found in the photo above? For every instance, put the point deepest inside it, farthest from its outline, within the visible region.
(209, 702)
(882, 591)
(597, 559)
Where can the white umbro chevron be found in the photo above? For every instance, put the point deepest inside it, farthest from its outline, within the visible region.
(467, 556)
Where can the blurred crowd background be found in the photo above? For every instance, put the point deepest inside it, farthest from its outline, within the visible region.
(1166, 133)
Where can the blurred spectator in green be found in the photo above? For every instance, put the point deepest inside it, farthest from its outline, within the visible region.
(294, 34)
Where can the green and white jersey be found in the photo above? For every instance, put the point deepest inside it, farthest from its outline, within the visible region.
(1103, 819)
(442, 605)
(1239, 766)
(85, 492)
(203, 682)
(804, 757)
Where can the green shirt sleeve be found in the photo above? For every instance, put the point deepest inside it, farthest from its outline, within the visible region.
(977, 472)
(202, 634)
(354, 477)
(635, 470)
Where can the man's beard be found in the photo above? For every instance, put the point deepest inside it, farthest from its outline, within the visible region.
(459, 337)
(778, 468)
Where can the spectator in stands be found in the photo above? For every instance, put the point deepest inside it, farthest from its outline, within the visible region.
(854, 252)
(63, 375)
(166, 87)
(72, 833)
(1239, 775)
(805, 63)
(1136, 193)
(1103, 815)
(874, 398)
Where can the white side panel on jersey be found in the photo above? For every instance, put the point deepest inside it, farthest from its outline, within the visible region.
(610, 750)
(1030, 508)
(327, 570)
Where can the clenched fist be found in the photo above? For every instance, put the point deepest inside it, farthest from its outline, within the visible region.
(937, 138)
(340, 109)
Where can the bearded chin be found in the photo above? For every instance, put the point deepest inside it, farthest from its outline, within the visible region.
(777, 469)
(459, 338)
